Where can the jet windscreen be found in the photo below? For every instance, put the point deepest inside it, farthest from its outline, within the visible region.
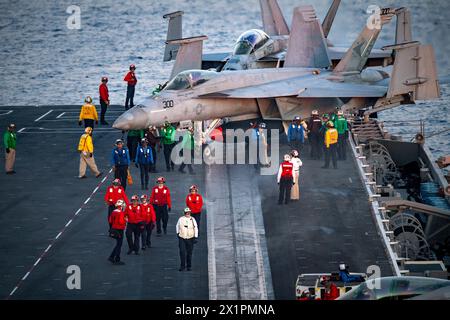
(180, 82)
(190, 79)
(249, 41)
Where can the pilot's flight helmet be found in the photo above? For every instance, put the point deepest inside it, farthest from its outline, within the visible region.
(116, 182)
(88, 99)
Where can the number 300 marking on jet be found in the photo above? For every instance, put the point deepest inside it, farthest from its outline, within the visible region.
(168, 104)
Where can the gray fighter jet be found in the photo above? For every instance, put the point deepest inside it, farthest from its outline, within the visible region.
(307, 81)
(266, 48)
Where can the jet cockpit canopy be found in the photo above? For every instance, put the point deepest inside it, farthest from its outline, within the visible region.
(250, 41)
(190, 79)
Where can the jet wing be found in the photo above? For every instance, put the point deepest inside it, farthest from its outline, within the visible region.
(335, 54)
(216, 57)
(343, 90)
(302, 88)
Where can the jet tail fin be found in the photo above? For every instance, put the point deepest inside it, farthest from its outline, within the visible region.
(414, 72)
(356, 57)
(329, 18)
(307, 45)
(189, 54)
(174, 31)
(273, 20)
(403, 29)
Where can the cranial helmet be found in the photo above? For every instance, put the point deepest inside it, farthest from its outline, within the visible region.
(287, 157)
(161, 180)
(120, 203)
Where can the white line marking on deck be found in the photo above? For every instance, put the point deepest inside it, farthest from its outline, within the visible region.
(46, 114)
(26, 276)
(20, 131)
(6, 113)
(37, 261)
(53, 241)
(14, 290)
(63, 113)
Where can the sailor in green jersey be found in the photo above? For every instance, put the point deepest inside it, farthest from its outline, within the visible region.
(188, 151)
(168, 142)
(9, 140)
(340, 123)
(133, 139)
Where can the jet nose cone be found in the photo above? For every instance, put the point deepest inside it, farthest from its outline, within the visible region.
(132, 119)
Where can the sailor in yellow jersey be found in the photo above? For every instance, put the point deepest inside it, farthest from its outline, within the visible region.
(331, 139)
(88, 113)
(86, 149)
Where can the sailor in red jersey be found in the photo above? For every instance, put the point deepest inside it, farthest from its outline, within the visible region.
(117, 220)
(285, 179)
(160, 199)
(150, 220)
(104, 99)
(136, 222)
(131, 80)
(331, 290)
(194, 201)
(114, 193)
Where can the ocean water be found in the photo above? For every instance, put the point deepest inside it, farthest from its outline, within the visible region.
(42, 62)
